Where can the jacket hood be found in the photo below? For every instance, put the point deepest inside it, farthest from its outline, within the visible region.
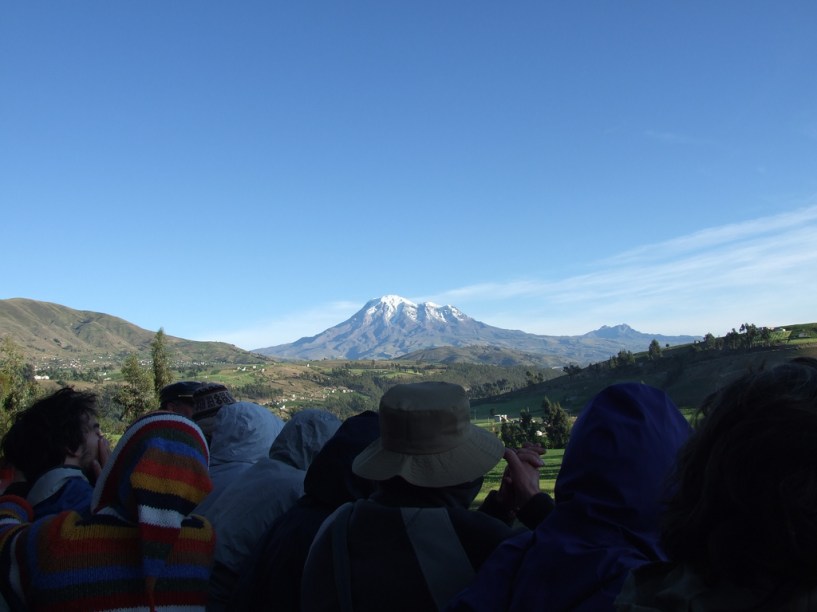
(620, 453)
(243, 432)
(609, 497)
(303, 436)
(330, 479)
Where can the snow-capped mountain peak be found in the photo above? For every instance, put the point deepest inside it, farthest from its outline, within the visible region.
(391, 325)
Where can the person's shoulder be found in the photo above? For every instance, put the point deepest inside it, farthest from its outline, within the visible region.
(74, 494)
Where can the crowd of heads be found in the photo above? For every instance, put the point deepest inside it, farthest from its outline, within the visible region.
(231, 508)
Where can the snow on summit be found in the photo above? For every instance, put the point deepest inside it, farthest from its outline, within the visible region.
(388, 305)
(395, 307)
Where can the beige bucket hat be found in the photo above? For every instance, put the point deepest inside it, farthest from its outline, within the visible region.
(426, 437)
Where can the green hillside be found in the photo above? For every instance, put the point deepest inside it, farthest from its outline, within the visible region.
(686, 373)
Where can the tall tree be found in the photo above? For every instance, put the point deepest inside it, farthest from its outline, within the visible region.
(162, 375)
(654, 351)
(137, 395)
(556, 423)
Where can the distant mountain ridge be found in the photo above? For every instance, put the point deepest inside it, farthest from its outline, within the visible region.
(385, 328)
(392, 326)
(54, 334)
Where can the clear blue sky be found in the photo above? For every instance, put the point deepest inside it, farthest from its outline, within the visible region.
(256, 171)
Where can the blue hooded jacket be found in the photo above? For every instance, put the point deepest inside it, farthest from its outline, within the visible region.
(609, 496)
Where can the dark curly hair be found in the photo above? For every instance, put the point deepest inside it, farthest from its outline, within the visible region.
(43, 433)
(745, 501)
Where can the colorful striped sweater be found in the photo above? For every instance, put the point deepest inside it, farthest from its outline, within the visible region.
(140, 549)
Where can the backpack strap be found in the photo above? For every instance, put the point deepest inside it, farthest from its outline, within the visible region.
(340, 556)
(443, 561)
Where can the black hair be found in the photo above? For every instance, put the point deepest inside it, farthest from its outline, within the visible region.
(745, 501)
(43, 433)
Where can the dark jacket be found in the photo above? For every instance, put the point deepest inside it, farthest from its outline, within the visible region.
(276, 568)
(384, 570)
(606, 519)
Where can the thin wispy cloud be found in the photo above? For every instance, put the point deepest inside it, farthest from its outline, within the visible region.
(721, 236)
(704, 278)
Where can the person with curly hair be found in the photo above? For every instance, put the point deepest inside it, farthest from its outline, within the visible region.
(57, 445)
(740, 529)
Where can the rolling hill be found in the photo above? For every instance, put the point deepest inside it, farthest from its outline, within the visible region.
(53, 334)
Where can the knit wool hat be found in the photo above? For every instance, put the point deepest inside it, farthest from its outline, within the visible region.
(207, 401)
(426, 437)
(182, 390)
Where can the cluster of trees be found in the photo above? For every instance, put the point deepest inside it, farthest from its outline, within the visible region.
(622, 360)
(747, 336)
(17, 386)
(550, 430)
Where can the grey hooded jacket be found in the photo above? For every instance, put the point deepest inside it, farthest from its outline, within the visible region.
(248, 506)
(242, 435)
